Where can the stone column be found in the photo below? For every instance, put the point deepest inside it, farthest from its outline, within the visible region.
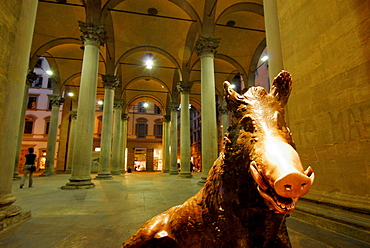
(56, 101)
(173, 153)
(123, 143)
(206, 49)
(273, 38)
(72, 134)
(65, 124)
(224, 119)
(110, 82)
(184, 89)
(31, 76)
(10, 112)
(117, 137)
(166, 143)
(93, 37)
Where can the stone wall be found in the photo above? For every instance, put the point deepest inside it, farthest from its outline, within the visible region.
(326, 48)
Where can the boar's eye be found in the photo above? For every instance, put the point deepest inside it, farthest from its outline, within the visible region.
(247, 124)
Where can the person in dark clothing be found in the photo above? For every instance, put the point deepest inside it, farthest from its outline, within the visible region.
(29, 167)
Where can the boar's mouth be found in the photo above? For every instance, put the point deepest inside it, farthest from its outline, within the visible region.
(277, 203)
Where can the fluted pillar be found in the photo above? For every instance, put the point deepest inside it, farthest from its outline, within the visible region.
(173, 153)
(166, 143)
(123, 143)
(31, 76)
(110, 82)
(273, 38)
(117, 137)
(56, 101)
(93, 36)
(72, 134)
(184, 89)
(206, 49)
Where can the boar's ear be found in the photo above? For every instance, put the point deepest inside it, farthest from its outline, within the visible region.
(233, 99)
(281, 87)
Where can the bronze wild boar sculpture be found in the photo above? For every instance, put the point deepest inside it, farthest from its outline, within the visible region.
(251, 187)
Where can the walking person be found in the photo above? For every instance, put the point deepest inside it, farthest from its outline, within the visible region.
(29, 167)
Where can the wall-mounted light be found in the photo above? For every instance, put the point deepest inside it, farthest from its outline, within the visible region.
(70, 94)
(100, 102)
(145, 105)
(49, 72)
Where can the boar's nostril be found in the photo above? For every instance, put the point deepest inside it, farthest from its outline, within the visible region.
(288, 187)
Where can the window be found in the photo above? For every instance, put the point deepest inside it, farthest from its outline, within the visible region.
(100, 124)
(50, 83)
(37, 82)
(158, 128)
(38, 63)
(99, 104)
(141, 128)
(157, 110)
(28, 124)
(47, 124)
(142, 108)
(32, 102)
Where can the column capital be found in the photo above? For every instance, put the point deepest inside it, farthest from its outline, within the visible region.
(55, 100)
(167, 118)
(223, 110)
(207, 45)
(184, 87)
(173, 106)
(124, 117)
(73, 114)
(118, 103)
(31, 76)
(110, 81)
(92, 33)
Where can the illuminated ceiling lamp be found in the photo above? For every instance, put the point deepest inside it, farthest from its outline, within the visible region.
(264, 58)
(148, 61)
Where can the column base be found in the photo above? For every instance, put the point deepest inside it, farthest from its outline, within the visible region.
(115, 173)
(122, 171)
(11, 215)
(166, 171)
(16, 177)
(203, 180)
(173, 173)
(103, 177)
(79, 184)
(185, 175)
(68, 171)
(47, 174)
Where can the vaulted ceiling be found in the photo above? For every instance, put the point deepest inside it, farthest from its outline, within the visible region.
(167, 29)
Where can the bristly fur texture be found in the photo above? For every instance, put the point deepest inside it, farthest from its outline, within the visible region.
(230, 211)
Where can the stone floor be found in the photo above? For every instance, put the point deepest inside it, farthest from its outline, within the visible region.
(108, 214)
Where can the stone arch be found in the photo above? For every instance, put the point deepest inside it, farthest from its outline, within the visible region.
(149, 49)
(145, 97)
(248, 7)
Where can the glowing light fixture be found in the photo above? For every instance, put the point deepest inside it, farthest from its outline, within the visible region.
(145, 105)
(100, 102)
(264, 58)
(49, 72)
(97, 149)
(149, 61)
(70, 94)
